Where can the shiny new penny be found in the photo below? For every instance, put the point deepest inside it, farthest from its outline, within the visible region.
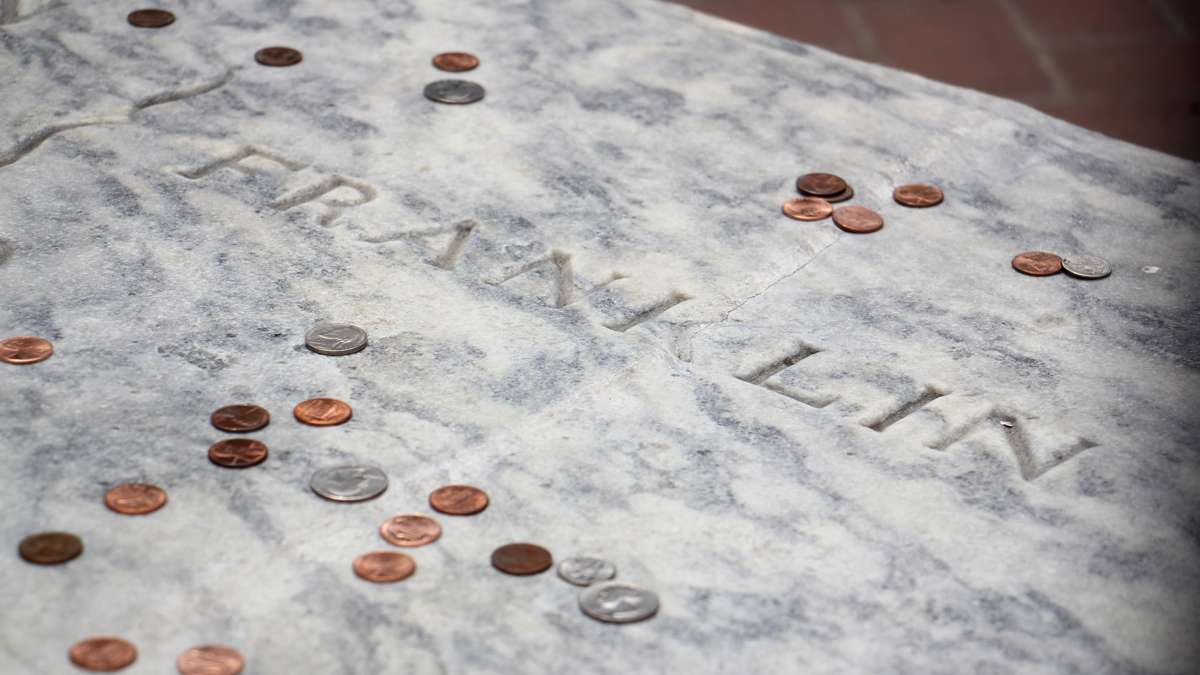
(384, 566)
(278, 57)
(820, 184)
(103, 654)
(135, 499)
(240, 418)
(918, 195)
(521, 559)
(458, 500)
(456, 62)
(322, 412)
(237, 453)
(150, 18)
(857, 219)
(25, 349)
(1037, 263)
(210, 660)
(410, 530)
(807, 208)
(50, 548)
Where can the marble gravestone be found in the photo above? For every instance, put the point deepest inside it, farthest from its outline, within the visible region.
(827, 453)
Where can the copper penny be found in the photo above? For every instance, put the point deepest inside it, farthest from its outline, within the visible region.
(322, 412)
(135, 499)
(210, 660)
(410, 530)
(521, 559)
(918, 195)
(857, 219)
(458, 500)
(237, 453)
(1037, 263)
(839, 197)
(103, 654)
(240, 418)
(25, 349)
(807, 208)
(456, 62)
(278, 57)
(50, 548)
(384, 566)
(820, 184)
(151, 18)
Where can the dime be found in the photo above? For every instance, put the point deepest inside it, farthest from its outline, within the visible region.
(103, 654)
(1038, 263)
(456, 62)
(1086, 266)
(135, 499)
(384, 566)
(322, 412)
(237, 453)
(453, 91)
(151, 18)
(50, 548)
(25, 349)
(458, 500)
(618, 602)
(410, 530)
(336, 339)
(240, 418)
(807, 208)
(586, 571)
(918, 195)
(857, 219)
(820, 184)
(210, 660)
(349, 483)
(521, 559)
(278, 57)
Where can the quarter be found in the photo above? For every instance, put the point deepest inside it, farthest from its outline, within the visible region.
(1086, 266)
(618, 602)
(336, 339)
(454, 91)
(349, 483)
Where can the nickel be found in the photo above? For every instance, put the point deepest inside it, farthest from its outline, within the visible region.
(1037, 263)
(454, 91)
(1086, 266)
(521, 559)
(384, 566)
(135, 499)
(349, 483)
(583, 571)
(50, 548)
(25, 349)
(103, 654)
(210, 660)
(336, 339)
(618, 602)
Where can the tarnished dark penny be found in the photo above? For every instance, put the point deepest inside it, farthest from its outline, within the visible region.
(237, 453)
(410, 530)
(50, 548)
(458, 500)
(857, 219)
(384, 566)
(322, 412)
(456, 62)
(918, 195)
(240, 418)
(23, 350)
(1037, 263)
(807, 208)
(839, 197)
(521, 559)
(210, 660)
(151, 18)
(278, 57)
(135, 499)
(103, 654)
(820, 184)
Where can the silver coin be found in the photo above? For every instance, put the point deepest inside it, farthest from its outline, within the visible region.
(1086, 266)
(349, 483)
(336, 339)
(586, 571)
(453, 91)
(618, 602)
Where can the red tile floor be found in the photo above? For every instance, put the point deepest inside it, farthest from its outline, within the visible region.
(1126, 68)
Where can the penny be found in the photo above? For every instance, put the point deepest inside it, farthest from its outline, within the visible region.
(240, 418)
(458, 500)
(237, 453)
(456, 62)
(618, 602)
(336, 339)
(210, 660)
(103, 654)
(50, 548)
(384, 566)
(135, 499)
(453, 91)
(151, 18)
(322, 412)
(278, 57)
(857, 219)
(521, 559)
(918, 195)
(839, 197)
(820, 184)
(807, 208)
(1037, 263)
(410, 530)
(349, 483)
(25, 349)
(586, 571)
(1086, 266)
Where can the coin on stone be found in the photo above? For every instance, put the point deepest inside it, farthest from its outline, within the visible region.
(50, 548)
(322, 412)
(918, 195)
(820, 184)
(210, 660)
(455, 62)
(135, 499)
(857, 219)
(807, 208)
(384, 566)
(583, 571)
(839, 197)
(237, 453)
(458, 500)
(410, 530)
(336, 339)
(25, 349)
(240, 418)
(453, 91)
(618, 602)
(151, 18)
(1086, 266)
(521, 559)
(349, 483)
(278, 57)
(103, 654)
(1037, 263)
